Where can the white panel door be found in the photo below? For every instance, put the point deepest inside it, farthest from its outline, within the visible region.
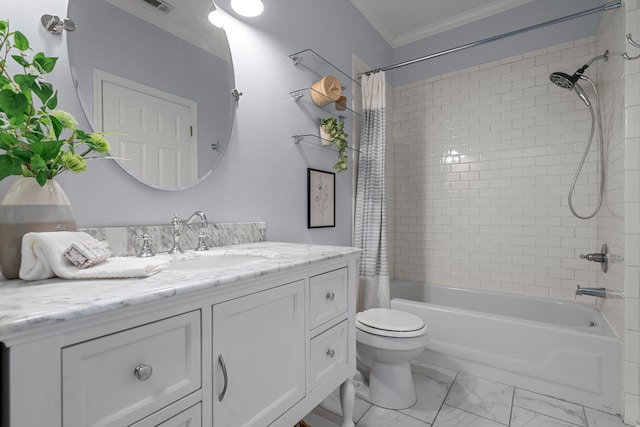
(152, 135)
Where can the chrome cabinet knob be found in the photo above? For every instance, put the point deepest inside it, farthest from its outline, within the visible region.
(143, 372)
(331, 353)
(331, 296)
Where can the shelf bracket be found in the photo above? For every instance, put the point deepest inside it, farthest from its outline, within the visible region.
(297, 138)
(296, 60)
(296, 96)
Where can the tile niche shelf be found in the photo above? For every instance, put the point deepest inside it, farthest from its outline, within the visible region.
(317, 64)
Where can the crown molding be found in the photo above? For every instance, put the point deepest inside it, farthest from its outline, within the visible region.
(449, 23)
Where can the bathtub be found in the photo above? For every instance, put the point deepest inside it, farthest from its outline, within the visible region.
(564, 349)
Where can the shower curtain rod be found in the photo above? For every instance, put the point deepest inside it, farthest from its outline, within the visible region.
(605, 7)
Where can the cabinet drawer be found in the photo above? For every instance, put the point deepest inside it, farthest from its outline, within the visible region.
(327, 296)
(190, 417)
(120, 378)
(328, 353)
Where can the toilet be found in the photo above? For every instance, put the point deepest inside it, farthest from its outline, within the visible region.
(386, 341)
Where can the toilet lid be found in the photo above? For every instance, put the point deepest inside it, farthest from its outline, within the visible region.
(390, 323)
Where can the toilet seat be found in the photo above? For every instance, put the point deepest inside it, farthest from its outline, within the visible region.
(390, 323)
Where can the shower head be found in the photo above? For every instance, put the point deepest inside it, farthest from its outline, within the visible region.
(564, 80)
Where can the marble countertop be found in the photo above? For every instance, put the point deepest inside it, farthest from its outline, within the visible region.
(26, 306)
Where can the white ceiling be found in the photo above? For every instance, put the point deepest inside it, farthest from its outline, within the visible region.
(405, 21)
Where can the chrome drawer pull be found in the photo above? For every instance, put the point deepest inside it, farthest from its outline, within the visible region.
(143, 372)
(331, 353)
(331, 296)
(224, 375)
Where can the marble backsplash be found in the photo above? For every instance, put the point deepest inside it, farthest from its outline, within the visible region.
(125, 241)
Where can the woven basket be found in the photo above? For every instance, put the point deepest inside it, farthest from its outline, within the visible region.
(326, 90)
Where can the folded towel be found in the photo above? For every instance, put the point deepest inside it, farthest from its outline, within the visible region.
(42, 258)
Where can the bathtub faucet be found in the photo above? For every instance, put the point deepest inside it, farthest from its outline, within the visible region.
(595, 292)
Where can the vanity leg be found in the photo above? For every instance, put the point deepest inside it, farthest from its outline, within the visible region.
(348, 402)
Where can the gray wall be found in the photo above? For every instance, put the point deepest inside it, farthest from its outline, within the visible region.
(263, 174)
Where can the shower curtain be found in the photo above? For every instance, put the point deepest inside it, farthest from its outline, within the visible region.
(370, 224)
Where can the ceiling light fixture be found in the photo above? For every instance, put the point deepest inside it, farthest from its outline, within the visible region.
(248, 8)
(215, 17)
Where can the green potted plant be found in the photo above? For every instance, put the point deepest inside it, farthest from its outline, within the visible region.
(38, 140)
(37, 143)
(333, 129)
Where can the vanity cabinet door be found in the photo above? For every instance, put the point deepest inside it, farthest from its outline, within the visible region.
(258, 356)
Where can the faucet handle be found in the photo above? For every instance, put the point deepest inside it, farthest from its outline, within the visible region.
(146, 250)
(600, 257)
(202, 245)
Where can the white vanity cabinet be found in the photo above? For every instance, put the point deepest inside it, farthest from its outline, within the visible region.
(260, 351)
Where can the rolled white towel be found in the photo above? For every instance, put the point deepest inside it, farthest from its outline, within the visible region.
(43, 258)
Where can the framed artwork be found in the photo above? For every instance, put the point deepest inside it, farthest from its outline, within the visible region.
(321, 198)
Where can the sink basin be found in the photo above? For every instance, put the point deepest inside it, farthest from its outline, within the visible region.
(213, 261)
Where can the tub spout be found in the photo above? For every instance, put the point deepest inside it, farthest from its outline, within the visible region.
(596, 292)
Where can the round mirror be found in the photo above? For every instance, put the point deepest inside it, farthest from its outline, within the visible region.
(157, 76)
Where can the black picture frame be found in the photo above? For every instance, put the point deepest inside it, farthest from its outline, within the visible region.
(321, 199)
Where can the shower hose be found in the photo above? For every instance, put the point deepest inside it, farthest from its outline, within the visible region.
(584, 158)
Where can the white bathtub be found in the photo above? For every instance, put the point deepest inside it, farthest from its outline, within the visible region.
(560, 348)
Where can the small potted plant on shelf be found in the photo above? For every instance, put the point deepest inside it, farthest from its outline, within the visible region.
(332, 129)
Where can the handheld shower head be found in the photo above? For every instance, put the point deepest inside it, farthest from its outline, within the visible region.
(581, 93)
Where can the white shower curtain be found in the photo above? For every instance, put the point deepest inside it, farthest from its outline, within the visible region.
(370, 225)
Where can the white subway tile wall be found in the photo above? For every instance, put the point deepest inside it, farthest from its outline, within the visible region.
(612, 220)
(483, 161)
(628, 198)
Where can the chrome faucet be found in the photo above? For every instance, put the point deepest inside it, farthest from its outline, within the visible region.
(176, 221)
(595, 292)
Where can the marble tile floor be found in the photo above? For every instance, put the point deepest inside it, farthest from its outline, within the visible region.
(454, 399)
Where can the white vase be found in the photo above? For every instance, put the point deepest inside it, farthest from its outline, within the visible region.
(324, 136)
(29, 207)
